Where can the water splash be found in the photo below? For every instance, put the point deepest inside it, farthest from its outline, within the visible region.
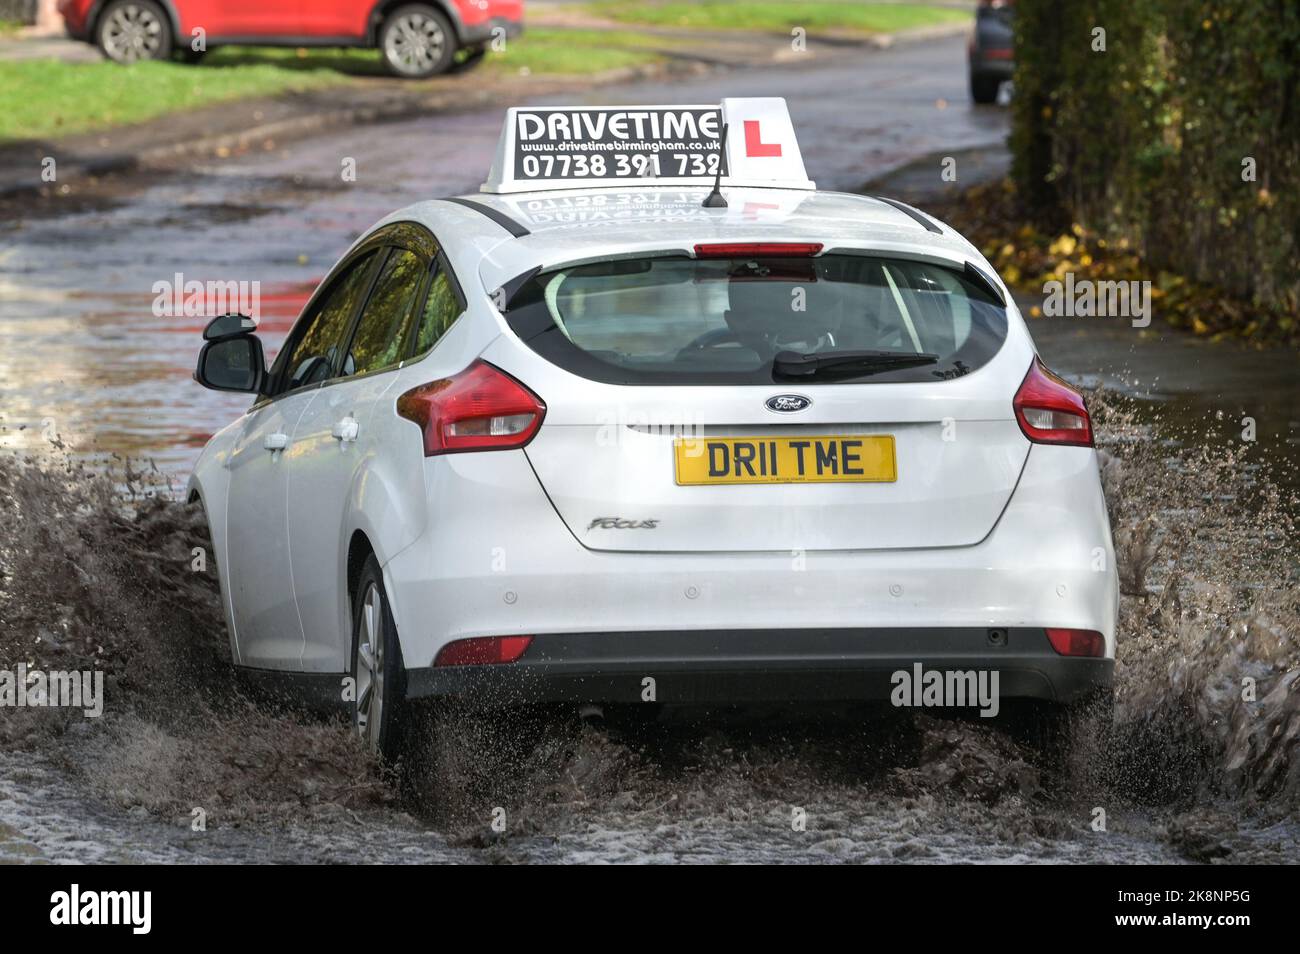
(97, 573)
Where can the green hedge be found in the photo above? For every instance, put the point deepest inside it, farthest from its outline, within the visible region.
(1146, 139)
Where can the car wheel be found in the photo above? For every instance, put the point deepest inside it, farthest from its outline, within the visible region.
(984, 89)
(417, 41)
(132, 30)
(378, 674)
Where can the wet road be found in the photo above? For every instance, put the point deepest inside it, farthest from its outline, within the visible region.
(84, 356)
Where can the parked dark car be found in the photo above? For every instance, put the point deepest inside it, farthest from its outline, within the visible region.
(991, 49)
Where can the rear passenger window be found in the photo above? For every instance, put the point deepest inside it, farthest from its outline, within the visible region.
(314, 354)
(382, 331)
(441, 308)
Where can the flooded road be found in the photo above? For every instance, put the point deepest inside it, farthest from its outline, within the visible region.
(1201, 525)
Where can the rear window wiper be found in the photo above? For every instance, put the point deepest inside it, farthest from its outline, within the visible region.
(792, 364)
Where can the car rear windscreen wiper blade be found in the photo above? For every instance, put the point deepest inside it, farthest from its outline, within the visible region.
(792, 364)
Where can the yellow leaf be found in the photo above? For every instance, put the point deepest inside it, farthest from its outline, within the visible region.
(1064, 245)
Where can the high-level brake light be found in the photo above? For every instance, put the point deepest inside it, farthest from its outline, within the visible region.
(758, 249)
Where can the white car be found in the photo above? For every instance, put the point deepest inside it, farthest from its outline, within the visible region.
(651, 419)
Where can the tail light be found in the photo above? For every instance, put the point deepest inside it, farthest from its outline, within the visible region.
(482, 651)
(481, 408)
(1077, 642)
(1050, 411)
(768, 249)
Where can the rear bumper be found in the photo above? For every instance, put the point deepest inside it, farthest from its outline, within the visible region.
(737, 666)
(76, 19)
(981, 65)
(494, 559)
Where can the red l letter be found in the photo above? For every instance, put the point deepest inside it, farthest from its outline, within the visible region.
(754, 145)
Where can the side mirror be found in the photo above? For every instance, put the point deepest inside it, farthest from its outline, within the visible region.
(226, 326)
(232, 363)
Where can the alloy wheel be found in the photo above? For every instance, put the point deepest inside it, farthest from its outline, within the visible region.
(132, 32)
(370, 668)
(415, 43)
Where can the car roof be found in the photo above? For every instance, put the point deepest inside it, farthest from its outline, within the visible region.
(503, 236)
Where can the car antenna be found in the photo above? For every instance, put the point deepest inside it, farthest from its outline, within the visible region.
(715, 199)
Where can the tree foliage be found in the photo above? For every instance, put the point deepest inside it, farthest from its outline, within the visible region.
(1152, 139)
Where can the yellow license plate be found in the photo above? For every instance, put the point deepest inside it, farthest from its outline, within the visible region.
(821, 459)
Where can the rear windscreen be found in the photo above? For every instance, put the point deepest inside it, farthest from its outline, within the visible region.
(681, 320)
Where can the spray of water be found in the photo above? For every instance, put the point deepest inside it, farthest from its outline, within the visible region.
(104, 570)
(98, 573)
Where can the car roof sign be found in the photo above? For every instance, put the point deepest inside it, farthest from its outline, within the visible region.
(583, 147)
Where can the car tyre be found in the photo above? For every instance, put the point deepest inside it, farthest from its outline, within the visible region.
(416, 41)
(379, 708)
(129, 31)
(984, 89)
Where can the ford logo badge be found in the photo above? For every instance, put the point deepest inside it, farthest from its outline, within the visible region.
(788, 402)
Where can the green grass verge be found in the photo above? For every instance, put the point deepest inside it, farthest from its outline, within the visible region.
(813, 15)
(49, 98)
(572, 52)
(540, 50)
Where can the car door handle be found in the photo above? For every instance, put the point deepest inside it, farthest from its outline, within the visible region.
(275, 442)
(346, 429)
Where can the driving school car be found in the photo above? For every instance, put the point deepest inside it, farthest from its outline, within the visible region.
(649, 418)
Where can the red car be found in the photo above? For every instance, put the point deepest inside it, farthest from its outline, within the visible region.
(414, 39)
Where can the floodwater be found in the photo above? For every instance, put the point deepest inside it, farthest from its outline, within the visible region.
(185, 767)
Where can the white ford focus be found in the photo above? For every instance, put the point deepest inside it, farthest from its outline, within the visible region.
(650, 418)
